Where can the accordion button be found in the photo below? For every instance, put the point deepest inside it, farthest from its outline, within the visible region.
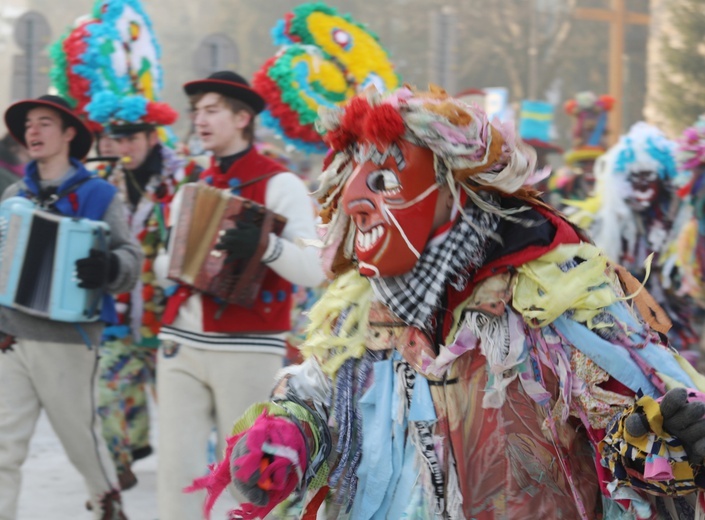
(281, 295)
(267, 297)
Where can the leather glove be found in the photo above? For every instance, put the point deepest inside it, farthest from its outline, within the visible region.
(681, 419)
(240, 242)
(97, 270)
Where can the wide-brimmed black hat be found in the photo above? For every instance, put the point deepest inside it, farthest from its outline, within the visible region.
(228, 84)
(16, 118)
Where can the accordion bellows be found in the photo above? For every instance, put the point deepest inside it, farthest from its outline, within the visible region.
(38, 253)
(206, 213)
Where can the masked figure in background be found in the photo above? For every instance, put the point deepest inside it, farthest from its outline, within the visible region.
(576, 181)
(684, 259)
(475, 356)
(632, 216)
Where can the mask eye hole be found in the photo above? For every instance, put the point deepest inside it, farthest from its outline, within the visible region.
(383, 181)
(342, 38)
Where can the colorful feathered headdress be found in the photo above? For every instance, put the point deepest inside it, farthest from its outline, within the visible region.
(690, 147)
(325, 59)
(108, 65)
(590, 127)
(643, 148)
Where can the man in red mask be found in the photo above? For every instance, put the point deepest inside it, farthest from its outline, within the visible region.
(474, 357)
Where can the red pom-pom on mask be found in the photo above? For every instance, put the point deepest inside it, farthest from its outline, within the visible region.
(383, 126)
(351, 123)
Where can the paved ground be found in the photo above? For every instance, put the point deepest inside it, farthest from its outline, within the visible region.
(53, 490)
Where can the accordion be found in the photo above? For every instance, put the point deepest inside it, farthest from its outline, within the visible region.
(38, 253)
(206, 213)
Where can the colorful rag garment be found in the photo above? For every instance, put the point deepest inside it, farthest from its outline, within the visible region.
(126, 371)
(507, 416)
(127, 363)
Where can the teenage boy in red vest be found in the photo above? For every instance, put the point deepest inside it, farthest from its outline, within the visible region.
(215, 361)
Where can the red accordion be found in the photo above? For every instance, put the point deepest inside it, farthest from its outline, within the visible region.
(205, 215)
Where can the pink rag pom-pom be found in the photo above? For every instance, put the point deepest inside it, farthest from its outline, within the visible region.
(218, 479)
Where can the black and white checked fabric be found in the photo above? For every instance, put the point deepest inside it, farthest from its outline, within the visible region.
(414, 296)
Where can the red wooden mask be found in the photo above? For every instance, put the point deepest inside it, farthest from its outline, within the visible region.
(391, 197)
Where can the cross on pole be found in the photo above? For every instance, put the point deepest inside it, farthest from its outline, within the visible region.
(619, 19)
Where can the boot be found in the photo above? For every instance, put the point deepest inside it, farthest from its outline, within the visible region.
(126, 479)
(110, 507)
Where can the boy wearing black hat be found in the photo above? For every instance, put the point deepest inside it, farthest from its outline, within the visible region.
(216, 360)
(48, 364)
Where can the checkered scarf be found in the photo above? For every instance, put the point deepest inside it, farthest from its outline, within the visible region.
(415, 296)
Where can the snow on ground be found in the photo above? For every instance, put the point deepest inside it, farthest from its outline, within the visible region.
(53, 489)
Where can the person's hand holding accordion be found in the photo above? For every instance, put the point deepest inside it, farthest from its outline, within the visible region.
(240, 242)
(97, 270)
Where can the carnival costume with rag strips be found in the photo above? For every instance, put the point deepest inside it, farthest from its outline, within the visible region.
(632, 215)
(576, 180)
(686, 261)
(486, 373)
(108, 66)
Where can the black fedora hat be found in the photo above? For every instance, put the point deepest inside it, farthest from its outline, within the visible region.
(16, 117)
(228, 84)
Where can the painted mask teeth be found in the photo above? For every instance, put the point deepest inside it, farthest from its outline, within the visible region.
(367, 240)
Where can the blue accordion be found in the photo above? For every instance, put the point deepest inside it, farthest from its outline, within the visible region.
(38, 253)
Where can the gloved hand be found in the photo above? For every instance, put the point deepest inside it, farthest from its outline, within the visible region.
(681, 419)
(97, 270)
(240, 242)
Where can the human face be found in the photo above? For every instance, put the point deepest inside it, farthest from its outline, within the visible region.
(392, 198)
(107, 146)
(219, 128)
(134, 148)
(45, 135)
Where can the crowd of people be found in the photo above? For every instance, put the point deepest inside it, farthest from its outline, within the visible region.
(499, 333)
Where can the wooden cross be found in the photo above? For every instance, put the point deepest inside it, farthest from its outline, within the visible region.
(619, 18)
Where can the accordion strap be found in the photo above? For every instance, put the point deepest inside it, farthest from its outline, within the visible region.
(50, 201)
(256, 180)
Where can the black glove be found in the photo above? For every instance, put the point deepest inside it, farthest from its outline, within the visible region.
(97, 270)
(240, 242)
(681, 419)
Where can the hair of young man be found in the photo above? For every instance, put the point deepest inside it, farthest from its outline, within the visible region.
(235, 106)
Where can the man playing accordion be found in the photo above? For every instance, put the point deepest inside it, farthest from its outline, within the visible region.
(51, 364)
(217, 358)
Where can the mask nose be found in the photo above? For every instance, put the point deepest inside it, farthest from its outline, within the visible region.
(358, 200)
